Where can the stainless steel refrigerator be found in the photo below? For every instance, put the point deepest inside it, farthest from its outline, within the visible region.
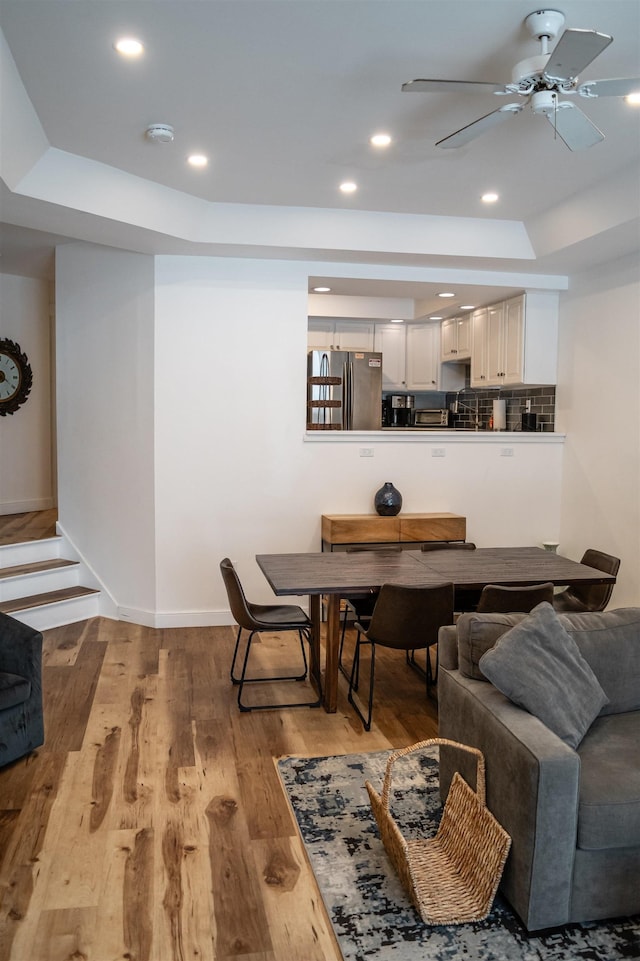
(344, 390)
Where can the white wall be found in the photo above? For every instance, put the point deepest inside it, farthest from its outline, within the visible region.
(234, 473)
(184, 439)
(598, 405)
(104, 306)
(26, 475)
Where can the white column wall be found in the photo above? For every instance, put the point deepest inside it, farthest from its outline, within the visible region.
(26, 475)
(234, 475)
(598, 406)
(104, 306)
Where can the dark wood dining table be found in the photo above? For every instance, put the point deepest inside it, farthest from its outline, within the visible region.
(337, 575)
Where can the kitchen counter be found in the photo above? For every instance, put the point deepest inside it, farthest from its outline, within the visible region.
(421, 435)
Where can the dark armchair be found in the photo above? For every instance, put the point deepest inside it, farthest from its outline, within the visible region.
(21, 718)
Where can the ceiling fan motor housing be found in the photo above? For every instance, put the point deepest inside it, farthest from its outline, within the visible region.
(528, 71)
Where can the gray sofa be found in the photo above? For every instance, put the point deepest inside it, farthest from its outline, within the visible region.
(21, 719)
(573, 814)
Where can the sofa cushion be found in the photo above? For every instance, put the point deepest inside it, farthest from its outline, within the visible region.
(609, 809)
(478, 633)
(14, 689)
(539, 667)
(610, 643)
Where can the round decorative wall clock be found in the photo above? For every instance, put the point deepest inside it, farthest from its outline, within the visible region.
(15, 377)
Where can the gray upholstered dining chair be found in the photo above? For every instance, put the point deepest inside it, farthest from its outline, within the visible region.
(589, 597)
(405, 619)
(497, 599)
(255, 618)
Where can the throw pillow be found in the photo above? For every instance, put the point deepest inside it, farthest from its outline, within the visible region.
(539, 667)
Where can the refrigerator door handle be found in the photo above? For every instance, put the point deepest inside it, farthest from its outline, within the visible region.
(347, 396)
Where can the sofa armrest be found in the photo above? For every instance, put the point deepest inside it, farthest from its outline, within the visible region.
(532, 789)
(448, 647)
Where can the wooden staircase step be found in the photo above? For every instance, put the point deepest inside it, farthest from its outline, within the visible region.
(40, 600)
(19, 569)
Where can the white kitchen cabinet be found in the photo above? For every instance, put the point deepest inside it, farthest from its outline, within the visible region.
(456, 338)
(515, 342)
(423, 356)
(391, 340)
(479, 339)
(339, 335)
(424, 370)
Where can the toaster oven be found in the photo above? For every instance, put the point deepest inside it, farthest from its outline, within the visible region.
(431, 417)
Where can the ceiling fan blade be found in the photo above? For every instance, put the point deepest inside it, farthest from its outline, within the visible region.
(451, 86)
(574, 127)
(620, 87)
(480, 126)
(573, 52)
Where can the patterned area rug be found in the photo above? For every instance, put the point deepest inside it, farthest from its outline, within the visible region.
(371, 915)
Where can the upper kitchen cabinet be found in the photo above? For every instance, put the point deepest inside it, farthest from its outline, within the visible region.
(515, 342)
(424, 370)
(339, 335)
(390, 339)
(456, 338)
(411, 358)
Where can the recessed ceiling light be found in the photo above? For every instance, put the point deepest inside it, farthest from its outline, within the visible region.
(321, 290)
(489, 198)
(129, 47)
(198, 160)
(397, 320)
(467, 307)
(633, 99)
(446, 294)
(434, 317)
(348, 187)
(380, 140)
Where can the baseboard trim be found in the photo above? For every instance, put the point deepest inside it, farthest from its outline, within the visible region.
(161, 619)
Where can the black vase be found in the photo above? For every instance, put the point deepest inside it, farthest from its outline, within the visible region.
(388, 500)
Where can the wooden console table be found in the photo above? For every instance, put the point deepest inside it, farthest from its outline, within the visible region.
(342, 531)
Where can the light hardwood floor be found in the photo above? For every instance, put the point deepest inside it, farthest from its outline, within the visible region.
(151, 826)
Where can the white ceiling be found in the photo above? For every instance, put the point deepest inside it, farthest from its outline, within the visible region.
(283, 96)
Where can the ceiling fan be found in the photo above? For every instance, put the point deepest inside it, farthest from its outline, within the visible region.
(541, 80)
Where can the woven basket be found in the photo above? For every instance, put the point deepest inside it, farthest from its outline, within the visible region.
(453, 877)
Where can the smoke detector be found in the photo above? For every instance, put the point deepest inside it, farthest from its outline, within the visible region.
(159, 133)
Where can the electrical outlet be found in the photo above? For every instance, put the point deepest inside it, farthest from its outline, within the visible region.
(506, 452)
(438, 452)
(366, 452)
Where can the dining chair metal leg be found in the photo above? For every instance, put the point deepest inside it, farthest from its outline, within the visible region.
(243, 679)
(355, 678)
(427, 672)
(282, 677)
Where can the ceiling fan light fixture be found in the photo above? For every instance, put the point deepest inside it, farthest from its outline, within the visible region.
(544, 102)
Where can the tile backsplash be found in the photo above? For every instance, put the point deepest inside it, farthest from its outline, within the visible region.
(542, 402)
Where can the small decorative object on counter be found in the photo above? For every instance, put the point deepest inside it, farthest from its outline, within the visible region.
(388, 500)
